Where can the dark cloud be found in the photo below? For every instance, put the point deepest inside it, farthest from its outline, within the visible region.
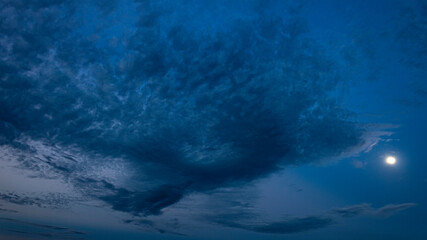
(190, 109)
(145, 203)
(48, 200)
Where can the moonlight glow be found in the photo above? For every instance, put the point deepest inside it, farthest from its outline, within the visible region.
(390, 160)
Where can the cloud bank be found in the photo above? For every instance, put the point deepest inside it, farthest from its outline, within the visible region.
(17, 229)
(306, 223)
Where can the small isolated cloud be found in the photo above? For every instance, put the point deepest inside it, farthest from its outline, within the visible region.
(391, 209)
(359, 164)
(294, 225)
(285, 226)
(353, 211)
(367, 209)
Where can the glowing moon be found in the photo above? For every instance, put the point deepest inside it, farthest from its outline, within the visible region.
(390, 160)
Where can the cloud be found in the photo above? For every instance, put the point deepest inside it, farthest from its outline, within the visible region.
(48, 200)
(359, 164)
(140, 222)
(295, 225)
(391, 209)
(287, 226)
(144, 203)
(5, 210)
(38, 231)
(292, 224)
(353, 211)
(190, 110)
(366, 209)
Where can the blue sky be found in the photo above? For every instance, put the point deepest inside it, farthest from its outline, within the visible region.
(212, 119)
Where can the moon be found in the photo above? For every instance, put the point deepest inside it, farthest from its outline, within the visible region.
(390, 160)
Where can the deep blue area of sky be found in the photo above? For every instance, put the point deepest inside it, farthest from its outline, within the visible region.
(185, 119)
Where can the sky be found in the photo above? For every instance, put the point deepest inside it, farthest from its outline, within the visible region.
(197, 119)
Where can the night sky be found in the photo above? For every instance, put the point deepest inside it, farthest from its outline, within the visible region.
(213, 119)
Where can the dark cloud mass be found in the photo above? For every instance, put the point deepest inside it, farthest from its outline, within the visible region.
(190, 106)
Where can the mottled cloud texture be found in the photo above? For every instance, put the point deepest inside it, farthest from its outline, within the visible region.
(187, 106)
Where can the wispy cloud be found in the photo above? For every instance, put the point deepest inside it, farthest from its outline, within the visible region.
(5, 210)
(38, 231)
(353, 211)
(286, 226)
(391, 209)
(366, 209)
(242, 219)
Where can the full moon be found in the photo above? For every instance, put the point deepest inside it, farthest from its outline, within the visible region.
(390, 160)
